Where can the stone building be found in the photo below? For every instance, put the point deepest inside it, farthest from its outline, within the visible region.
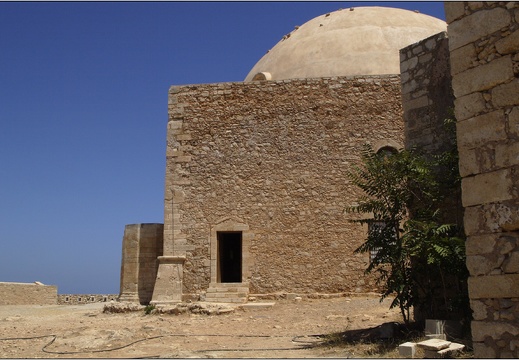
(255, 178)
(256, 175)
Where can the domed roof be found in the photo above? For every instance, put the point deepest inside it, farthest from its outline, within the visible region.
(355, 41)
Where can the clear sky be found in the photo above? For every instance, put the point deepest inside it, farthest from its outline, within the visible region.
(83, 113)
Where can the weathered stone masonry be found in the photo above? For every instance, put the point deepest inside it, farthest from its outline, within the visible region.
(428, 100)
(484, 46)
(142, 245)
(270, 159)
(427, 97)
(12, 293)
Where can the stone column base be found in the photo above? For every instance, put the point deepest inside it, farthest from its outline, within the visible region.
(129, 297)
(168, 285)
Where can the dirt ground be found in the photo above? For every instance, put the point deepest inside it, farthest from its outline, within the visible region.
(289, 329)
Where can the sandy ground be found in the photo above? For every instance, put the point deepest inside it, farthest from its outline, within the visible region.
(286, 330)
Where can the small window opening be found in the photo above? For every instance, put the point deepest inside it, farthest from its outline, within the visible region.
(387, 151)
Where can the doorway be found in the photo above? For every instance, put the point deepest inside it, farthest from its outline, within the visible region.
(229, 256)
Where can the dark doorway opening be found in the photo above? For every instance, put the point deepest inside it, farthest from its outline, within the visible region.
(229, 256)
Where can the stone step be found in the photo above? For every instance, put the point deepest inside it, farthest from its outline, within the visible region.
(239, 300)
(227, 292)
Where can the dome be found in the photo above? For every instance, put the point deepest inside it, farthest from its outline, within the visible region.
(355, 41)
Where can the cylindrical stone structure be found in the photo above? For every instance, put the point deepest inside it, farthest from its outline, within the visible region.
(142, 245)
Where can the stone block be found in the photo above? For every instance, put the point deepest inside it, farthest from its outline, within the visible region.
(476, 26)
(509, 44)
(462, 58)
(495, 217)
(431, 354)
(496, 286)
(451, 350)
(506, 94)
(469, 106)
(434, 344)
(416, 103)
(482, 351)
(507, 155)
(454, 10)
(468, 162)
(481, 129)
(492, 329)
(183, 137)
(181, 159)
(409, 64)
(479, 309)
(409, 87)
(486, 188)
(511, 265)
(513, 121)
(483, 77)
(407, 350)
(481, 244)
(480, 265)
(175, 124)
(471, 220)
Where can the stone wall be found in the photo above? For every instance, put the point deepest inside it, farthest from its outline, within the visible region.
(428, 100)
(484, 45)
(271, 158)
(427, 97)
(12, 293)
(80, 299)
(142, 245)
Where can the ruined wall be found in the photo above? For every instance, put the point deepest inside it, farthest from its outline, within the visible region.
(142, 244)
(79, 299)
(484, 45)
(272, 157)
(12, 293)
(427, 97)
(427, 100)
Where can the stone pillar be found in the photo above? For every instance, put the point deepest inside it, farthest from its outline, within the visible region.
(142, 244)
(484, 48)
(168, 284)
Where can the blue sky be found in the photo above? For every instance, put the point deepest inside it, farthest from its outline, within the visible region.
(83, 113)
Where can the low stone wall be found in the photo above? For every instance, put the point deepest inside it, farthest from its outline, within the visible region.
(78, 299)
(12, 293)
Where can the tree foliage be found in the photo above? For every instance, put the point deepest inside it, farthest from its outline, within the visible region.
(412, 246)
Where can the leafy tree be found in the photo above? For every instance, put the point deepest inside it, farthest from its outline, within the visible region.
(403, 202)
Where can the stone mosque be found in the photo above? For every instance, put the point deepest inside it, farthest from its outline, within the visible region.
(256, 171)
(256, 175)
